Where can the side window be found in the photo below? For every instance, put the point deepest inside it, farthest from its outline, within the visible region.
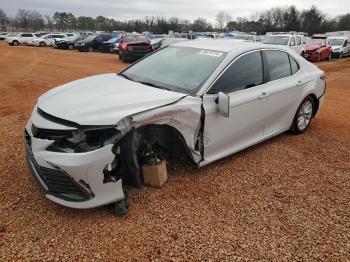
(27, 35)
(298, 40)
(292, 41)
(245, 72)
(293, 65)
(278, 64)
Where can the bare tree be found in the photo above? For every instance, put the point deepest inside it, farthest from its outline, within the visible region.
(49, 22)
(149, 20)
(222, 18)
(22, 19)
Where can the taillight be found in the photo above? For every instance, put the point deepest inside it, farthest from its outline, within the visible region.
(323, 76)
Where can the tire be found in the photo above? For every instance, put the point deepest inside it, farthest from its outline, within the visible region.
(42, 44)
(329, 58)
(303, 116)
(90, 49)
(15, 43)
(70, 46)
(341, 55)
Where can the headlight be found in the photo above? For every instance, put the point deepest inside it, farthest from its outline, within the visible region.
(82, 44)
(78, 141)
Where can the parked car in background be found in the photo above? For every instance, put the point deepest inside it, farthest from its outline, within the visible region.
(92, 42)
(133, 47)
(109, 45)
(47, 40)
(245, 37)
(68, 42)
(295, 42)
(170, 41)
(340, 46)
(4, 35)
(156, 42)
(317, 50)
(87, 139)
(21, 39)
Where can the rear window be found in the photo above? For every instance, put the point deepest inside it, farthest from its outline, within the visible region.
(276, 40)
(279, 64)
(135, 38)
(293, 65)
(27, 35)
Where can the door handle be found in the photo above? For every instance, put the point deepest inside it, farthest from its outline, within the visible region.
(264, 95)
(300, 82)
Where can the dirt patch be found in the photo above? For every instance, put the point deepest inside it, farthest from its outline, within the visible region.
(284, 199)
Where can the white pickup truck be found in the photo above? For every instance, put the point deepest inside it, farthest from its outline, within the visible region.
(295, 42)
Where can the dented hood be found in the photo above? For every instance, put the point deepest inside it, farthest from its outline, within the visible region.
(103, 99)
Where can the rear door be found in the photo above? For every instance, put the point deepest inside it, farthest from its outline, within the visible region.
(283, 91)
(26, 38)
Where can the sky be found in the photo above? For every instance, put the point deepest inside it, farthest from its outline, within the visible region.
(190, 9)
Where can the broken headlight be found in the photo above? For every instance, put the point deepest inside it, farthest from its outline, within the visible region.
(79, 140)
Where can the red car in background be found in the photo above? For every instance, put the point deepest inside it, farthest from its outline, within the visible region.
(133, 47)
(317, 50)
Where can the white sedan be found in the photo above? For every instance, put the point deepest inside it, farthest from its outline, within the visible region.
(47, 40)
(197, 100)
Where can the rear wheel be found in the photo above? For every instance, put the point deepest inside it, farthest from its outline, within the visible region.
(329, 56)
(90, 49)
(70, 46)
(303, 116)
(341, 55)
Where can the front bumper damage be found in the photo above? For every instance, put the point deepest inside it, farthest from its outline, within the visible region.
(74, 180)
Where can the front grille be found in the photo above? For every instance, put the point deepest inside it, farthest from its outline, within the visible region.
(62, 185)
(55, 182)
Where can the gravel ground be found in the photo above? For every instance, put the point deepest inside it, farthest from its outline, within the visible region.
(284, 199)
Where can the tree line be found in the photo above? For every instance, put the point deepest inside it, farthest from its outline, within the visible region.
(280, 19)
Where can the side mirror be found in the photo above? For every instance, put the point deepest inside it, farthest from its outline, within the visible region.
(224, 104)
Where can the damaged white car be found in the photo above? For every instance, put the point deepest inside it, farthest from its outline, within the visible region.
(197, 100)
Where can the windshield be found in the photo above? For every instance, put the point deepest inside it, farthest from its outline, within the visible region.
(90, 37)
(244, 37)
(179, 69)
(336, 41)
(135, 38)
(314, 42)
(276, 40)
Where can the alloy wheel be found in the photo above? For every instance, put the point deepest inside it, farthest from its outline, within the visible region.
(304, 115)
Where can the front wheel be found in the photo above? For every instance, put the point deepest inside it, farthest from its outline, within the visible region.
(15, 43)
(303, 116)
(70, 46)
(329, 58)
(42, 44)
(341, 55)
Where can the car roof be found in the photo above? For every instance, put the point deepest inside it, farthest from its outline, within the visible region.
(228, 46)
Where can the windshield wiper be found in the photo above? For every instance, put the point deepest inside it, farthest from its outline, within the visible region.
(154, 85)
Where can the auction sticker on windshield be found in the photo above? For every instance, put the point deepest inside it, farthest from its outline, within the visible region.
(210, 53)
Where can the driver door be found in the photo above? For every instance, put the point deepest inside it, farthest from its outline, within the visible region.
(243, 82)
